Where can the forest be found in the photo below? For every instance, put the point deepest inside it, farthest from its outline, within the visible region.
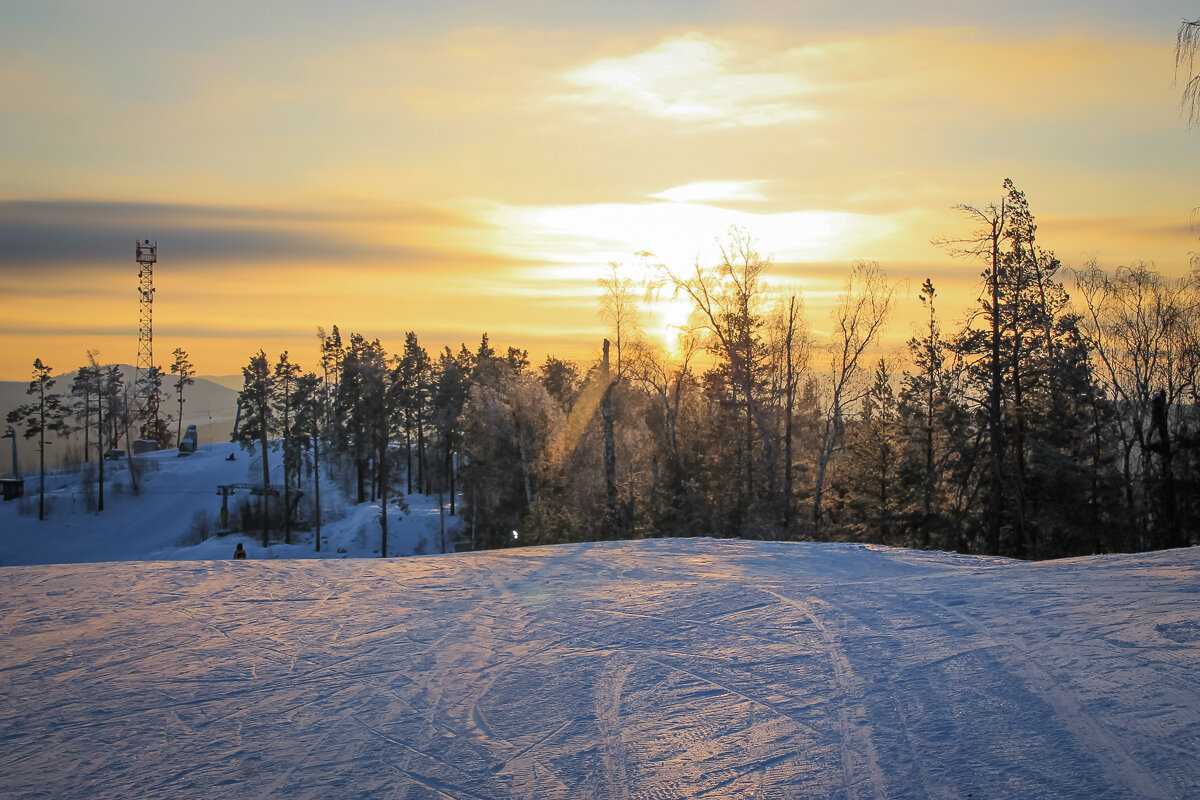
(1060, 420)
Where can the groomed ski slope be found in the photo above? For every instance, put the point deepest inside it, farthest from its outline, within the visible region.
(652, 669)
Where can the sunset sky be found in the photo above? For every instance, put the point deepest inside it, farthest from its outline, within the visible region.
(459, 167)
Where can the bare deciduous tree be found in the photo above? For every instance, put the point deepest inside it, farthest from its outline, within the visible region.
(1187, 45)
(859, 318)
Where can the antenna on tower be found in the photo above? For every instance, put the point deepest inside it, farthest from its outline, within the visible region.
(145, 390)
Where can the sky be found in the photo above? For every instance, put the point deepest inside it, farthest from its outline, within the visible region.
(475, 166)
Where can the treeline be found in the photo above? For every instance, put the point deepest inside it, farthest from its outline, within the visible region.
(1040, 427)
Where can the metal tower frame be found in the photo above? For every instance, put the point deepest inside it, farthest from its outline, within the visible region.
(146, 253)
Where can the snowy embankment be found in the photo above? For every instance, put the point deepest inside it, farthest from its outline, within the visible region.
(654, 669)
(176, 497)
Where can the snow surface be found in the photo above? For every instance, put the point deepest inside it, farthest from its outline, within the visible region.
(652, 669)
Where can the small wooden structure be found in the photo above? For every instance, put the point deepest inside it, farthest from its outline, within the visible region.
(13, 488)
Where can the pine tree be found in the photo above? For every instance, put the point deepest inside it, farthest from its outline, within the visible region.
(923, 407)
(412, 376)
(332, 354)
(561, 379)
(85, 388)
(284, 379)
(185, 371)
(111, 397)
(156, 428)
(258, 422)
(40, 417)
(451, 386)
(308, 405)
(873, 465)
(362, 398)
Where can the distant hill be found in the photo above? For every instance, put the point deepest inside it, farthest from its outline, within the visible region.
(209, 404)
(235, 382)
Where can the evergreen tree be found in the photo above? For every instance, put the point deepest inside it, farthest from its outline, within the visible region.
(874, 447)
(451, 387)
(111, 399)
(157, 428)
(44, 415)
(925, 408)
(283, 380)
(412, 376)
(332, 354)
(362, 403)
(308, 407)
(257, 401)
(561, 379)
(85, 389)
(185, 372)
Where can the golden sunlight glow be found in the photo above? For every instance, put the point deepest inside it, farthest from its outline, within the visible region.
(676, 234)
(715, 192)
(453, 177)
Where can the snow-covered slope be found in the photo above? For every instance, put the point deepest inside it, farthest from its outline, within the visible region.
(160, 520)
(654, 669)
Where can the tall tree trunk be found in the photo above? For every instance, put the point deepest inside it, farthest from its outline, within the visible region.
(1023, 544)
(41, 451)
(423, 482)
(789, 414)
(287, 479)
(927, 500)
(100, 448)
(408, 448)
(317, 485)
(449, 470)
(995, 431)
(524, 468)
(383, 483)
(87, 419)
(610, 450)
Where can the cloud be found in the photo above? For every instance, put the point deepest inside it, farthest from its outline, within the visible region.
(694, 78)
(714, 191)
(42, 233)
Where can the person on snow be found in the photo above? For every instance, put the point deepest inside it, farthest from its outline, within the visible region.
(239, 553)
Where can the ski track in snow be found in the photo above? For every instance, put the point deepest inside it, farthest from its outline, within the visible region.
(633, 671)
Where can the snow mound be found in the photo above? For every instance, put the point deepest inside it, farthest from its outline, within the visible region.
(654, 669)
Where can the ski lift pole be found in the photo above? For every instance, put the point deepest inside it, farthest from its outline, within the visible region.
(225, 491)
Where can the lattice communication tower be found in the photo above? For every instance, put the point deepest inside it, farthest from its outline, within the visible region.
(145, 393)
